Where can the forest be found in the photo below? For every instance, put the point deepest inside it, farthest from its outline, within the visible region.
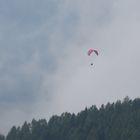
(114, 121)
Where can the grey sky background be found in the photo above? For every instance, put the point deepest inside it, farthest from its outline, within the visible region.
(44, 67)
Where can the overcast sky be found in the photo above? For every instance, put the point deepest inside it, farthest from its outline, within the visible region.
(44, 67)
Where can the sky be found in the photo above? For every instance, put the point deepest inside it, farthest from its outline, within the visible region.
(44, 66)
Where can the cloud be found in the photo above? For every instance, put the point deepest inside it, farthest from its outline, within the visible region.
(44, 66)
(115, 74)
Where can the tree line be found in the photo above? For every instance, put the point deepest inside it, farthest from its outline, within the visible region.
(113, 121)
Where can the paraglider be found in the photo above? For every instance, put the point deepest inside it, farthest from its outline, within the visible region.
(92, 52)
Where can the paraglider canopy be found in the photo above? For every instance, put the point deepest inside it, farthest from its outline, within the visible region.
(90, 51)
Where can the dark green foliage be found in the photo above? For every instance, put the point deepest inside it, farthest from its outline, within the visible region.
(12, 135)
(38, 129)
(116, 121)
(2, 137)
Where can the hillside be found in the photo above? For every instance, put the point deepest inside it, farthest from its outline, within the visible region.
(113, 121)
